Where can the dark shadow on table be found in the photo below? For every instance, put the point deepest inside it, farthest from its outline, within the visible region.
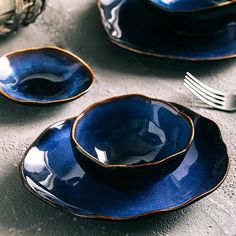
(24, 214)
(13, 112)
(87, 38)
(11, 36)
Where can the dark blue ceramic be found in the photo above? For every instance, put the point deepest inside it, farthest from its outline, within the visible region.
(43, 75)
(131, 134)
(190, 5)
(49, 170)
(133, 25)
(194, 23)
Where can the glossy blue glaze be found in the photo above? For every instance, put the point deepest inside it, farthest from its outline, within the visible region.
(134, 25)
(193, 23)
(131, 130)
(43, 75)
(188, 5)
(49, 170)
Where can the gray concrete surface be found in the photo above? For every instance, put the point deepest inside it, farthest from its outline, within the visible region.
(74, 25)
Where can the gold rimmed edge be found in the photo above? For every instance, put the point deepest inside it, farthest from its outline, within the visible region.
(168, 56)
(222, 4)
(60, 50)
(112, 99)
(64, 209)
(146, 53)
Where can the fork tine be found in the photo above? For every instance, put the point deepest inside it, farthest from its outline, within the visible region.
(205, 86)
(203, 89)
(203, 94)
(202, 98)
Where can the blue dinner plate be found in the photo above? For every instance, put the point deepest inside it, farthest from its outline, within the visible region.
(49, 171)
(44, 75)
(132, 25)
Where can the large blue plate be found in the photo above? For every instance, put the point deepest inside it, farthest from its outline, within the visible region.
(130, 24)
(49, 170)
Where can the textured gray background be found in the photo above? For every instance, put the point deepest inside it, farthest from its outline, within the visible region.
(74, 24)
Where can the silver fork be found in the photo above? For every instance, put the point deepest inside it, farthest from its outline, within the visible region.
(210, 96)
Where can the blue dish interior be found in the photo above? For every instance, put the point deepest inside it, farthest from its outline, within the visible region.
(51, 171)
(43, 75)
(186, 5)
(132, 130)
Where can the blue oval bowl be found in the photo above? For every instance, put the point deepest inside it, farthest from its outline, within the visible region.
(190, 5)
(44, 75)
(49, 171)
(131, 134)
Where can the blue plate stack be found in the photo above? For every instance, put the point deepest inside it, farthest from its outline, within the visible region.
(126, 157)
(180, 29)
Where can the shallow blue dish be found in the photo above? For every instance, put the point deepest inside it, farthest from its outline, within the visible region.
(131, 135)
(131, 25)
(49, 171)
(44, 75)
(190, 5)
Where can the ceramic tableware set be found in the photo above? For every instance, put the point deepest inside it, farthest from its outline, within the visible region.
(131, 155)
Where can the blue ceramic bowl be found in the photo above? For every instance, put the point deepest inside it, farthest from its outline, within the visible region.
(44, 75)
(131, 134)
(190, 5)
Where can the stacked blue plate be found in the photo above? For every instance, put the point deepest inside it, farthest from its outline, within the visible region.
(63, 168)
(181, 29)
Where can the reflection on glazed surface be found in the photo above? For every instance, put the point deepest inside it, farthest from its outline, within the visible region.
(52, 173)
(138, 130)
(111, 24)
(186, 5)
(137, 26)
(42, 75)
(145, 141)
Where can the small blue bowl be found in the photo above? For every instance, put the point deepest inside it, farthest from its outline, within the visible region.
(130, 135)
(44, 75)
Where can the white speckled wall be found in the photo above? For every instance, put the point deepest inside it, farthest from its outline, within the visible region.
(75, 25)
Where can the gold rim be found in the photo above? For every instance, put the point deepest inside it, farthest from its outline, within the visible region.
(168, 57)
(64, 209)
(142, 52)
(222, 4)
(61, 50)
(108, 166)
